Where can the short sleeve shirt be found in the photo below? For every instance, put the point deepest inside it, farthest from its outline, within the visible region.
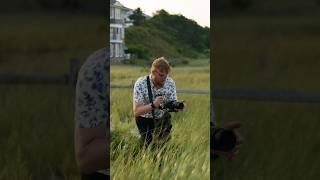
(92, 91)
(140, 93)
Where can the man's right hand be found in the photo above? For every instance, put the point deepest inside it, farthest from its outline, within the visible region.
(92, 149)
(158, 101)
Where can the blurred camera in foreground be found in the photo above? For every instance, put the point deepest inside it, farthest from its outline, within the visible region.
(224, 140)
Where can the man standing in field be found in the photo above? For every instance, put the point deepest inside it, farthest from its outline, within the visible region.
(91, 115)
(147, 102)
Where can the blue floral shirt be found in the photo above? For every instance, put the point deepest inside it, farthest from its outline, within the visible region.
(92, 91)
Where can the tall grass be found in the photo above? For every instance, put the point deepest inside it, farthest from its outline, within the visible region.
(36, 121)
(36, 139)
(185, 156)
(269, 53)
(281, 140)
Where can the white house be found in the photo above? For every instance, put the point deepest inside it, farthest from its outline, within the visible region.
(118, 14)
(119, 20)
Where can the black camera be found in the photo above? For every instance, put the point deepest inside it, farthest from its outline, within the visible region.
(223, 140)
(173, 106)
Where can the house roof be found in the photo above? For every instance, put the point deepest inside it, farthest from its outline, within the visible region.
(118, 4)
(115, 3)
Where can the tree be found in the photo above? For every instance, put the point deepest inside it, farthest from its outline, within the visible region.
(139, 51)
(137, 17)
(183, 29)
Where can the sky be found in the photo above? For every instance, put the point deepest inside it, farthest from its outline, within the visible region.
(197, 10)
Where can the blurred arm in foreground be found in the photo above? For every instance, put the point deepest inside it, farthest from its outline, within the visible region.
(92, 117)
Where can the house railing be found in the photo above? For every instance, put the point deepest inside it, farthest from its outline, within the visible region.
(116, 21)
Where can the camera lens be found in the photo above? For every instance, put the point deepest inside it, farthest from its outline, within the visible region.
(180, 105)
(224, 140)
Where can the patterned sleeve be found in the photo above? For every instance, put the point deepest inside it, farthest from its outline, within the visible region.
(172, 95)
(92, 92)
(138, 91)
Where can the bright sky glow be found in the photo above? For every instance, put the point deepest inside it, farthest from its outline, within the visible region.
(197, 10)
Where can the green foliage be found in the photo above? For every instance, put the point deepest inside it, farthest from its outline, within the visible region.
(151, 39)
(139, 51)
(188, 52)
(172, 36)
(137, 17)
(183, 29)
(185, 62)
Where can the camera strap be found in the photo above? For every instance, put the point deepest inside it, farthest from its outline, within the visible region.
(150, 95)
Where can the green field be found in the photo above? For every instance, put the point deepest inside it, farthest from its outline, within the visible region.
(281, 140)
(186, 155)
(36, 132)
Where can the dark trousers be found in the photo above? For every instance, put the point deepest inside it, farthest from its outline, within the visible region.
(146, 127)
(95, 176)
(150, 128)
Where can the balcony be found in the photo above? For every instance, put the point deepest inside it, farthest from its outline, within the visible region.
(115, 37)
(116, 21)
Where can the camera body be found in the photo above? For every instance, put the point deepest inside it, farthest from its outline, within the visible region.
(171, 106)
(224, 140)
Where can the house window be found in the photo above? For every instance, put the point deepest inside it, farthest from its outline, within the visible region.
(115, 33)
(122, 33)
(111, 50)
(117, 14)
(111, 33)
(120, 50)
(112, 13)
(115, 50)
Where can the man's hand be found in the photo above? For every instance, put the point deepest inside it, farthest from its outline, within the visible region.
(92, 149)
(158, 101)
(233, 126)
